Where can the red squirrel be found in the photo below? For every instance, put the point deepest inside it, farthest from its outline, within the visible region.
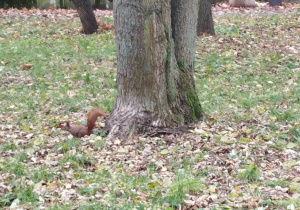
(81, 130)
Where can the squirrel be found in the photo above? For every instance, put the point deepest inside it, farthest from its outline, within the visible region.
(81, 130)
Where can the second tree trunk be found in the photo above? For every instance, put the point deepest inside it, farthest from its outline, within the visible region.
(205, 20)
(87, 17)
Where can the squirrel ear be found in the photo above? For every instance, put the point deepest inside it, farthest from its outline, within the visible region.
(68, 123)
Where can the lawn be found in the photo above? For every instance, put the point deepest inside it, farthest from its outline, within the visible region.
(244, 154)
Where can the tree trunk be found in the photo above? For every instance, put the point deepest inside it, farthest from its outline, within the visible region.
(61, 4)
(205, 20)
(34, 3)
(184, 15)
(53, 3)
(155, 92)
(110, 5)
(97, 4)
(87, 17)
(100, 4)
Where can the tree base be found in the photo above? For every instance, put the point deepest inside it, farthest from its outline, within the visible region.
(126, 125)
(166, 131)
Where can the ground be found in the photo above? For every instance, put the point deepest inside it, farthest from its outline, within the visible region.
(245, 154)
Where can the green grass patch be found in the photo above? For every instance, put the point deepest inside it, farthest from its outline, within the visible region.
(43, 173)
(20, 195)
(16, 168)
(251, 173)
(75, 160)
(182, 184)
(67, 145)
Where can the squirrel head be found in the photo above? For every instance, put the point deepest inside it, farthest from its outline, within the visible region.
(67, 126)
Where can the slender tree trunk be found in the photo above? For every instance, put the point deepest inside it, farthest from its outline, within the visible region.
(155, 92)
(61, 4)
(53, 3)
(205, 20)
(100, 4)
(110, 4)
(184, 22)
(34, 3)
(87, 17)
(97, 4)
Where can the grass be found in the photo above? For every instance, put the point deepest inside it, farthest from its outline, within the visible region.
(75, 160)
(251, 173)
(21, 195)
(16, 168)
(67, 145)
(184, 183)
(247, 78)
(42, 173)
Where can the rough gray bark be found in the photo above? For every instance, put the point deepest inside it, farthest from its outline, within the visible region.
(155, 92)
(184, 22)
(205, 20)
(87, 17)
(110, 4)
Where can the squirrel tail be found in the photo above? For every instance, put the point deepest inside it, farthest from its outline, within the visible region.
(92, 117)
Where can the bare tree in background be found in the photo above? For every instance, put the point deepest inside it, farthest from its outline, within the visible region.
(100, 4)
(205, 20)
(87, 16)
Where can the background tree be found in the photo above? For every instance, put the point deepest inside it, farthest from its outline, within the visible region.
(110, 4)
(62, 4)
(87, 17)
(100, 4)
(155, 63)
(18, 3)
(53, 2)
(205, 20)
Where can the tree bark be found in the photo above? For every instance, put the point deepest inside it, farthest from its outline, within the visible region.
(110, 4)
(87, 17)
(100, 4)
(34, 3)
(53, 3)
(61, 4)
(97, 4)
(184, 21)
(205, 20)
(155, 91)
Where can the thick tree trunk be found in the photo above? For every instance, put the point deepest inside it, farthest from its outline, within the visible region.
(205, 20)
(87, 17)
(153, 94)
